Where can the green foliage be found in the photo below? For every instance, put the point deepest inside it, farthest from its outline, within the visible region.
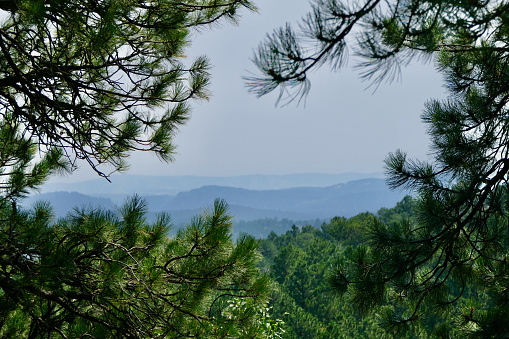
(444, 264)
(18, 172)
(385, 35)
(404, 210)
(261, 322)
(103, 78)
(330, 286)
(109, 275)
(457, 247)
(348, 231)
(95, 80)
(303, 263)
(103, 274)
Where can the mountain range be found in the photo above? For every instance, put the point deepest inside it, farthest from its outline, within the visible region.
(296, 203)
(122, 184)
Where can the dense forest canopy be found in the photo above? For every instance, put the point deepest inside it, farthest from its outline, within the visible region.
(303, 259)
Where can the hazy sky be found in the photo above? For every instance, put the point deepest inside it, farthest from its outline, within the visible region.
(343, 127)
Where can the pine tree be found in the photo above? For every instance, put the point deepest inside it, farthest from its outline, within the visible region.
(448, 267)
(99, 79)
(93, 81)
(456, 252)
(105, 275)
(384, 35)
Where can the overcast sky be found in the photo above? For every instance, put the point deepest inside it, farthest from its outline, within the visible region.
(343, 127)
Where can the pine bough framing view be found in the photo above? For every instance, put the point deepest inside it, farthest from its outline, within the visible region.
(91, 81)
(450, 261)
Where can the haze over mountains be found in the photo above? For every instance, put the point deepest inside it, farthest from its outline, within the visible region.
(156, 185)
(295, 197)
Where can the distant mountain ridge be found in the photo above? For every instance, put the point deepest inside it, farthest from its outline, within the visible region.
(346, 199)
(123, 184)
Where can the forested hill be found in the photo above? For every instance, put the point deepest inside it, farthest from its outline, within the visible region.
(304, 203)
(301, 262)
(312, 202)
